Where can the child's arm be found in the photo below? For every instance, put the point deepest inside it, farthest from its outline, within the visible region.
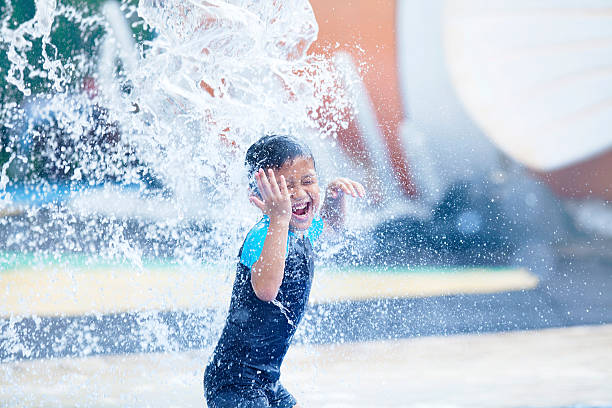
(268, 271)
(333, 209)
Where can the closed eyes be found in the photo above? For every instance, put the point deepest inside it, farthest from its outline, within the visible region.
(305, 182)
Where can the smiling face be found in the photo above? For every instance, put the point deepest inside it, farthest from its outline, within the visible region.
(303, 187)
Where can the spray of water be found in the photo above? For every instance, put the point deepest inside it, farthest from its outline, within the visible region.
(130, 151)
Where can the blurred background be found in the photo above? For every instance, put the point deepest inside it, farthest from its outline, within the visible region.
(481, 131)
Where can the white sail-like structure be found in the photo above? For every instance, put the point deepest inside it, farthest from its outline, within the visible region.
(535, 75)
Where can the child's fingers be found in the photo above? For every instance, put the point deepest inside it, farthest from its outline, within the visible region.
(273, 184)
(264, 184)
(259, 185)
(352, 188)
(283, 187)
(347, 187)
(356, 189)
(359, 188)
(257, 202)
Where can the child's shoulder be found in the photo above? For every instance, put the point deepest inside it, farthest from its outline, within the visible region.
(255, 238)
(258, 231)
(253, 242)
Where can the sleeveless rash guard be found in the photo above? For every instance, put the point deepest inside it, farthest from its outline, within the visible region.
(257, 334)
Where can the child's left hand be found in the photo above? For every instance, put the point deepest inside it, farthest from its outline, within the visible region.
(333, 210)
(344, 185)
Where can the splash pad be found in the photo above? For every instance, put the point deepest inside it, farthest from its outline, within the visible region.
(120, 161)
(121, 155)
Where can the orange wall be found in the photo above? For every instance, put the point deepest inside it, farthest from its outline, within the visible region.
(366, 30)
(591, 178)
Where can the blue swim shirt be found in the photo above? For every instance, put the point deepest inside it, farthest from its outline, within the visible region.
(254, 241)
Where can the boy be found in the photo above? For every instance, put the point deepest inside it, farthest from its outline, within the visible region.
(274, 274)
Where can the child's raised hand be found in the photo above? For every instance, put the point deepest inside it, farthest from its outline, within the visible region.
(275, 200)
(344, 185)
(333, 210)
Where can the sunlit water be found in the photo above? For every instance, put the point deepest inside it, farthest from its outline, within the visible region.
(131, 151)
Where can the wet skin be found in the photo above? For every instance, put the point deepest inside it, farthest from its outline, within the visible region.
(290, 198)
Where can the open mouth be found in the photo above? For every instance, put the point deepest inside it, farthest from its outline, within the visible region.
(301, 210)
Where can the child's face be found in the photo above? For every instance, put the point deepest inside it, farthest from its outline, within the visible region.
(303, 187)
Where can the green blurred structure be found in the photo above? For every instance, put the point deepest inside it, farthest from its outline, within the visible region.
(73, 43)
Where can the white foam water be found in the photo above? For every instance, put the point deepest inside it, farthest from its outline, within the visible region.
(167, 120)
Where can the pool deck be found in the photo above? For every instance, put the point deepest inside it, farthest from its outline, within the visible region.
(563, 367)
(73, 334)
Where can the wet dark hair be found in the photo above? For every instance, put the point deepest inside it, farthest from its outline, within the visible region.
(272, 151)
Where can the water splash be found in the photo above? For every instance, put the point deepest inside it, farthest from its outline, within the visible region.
(21, 40)
(96, 135)
(223, 74)
(17, 39)
(286, 312)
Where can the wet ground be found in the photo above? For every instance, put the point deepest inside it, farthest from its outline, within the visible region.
(445, 338)
(567, 367)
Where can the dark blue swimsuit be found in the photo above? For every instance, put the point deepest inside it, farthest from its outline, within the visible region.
(245, 366)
